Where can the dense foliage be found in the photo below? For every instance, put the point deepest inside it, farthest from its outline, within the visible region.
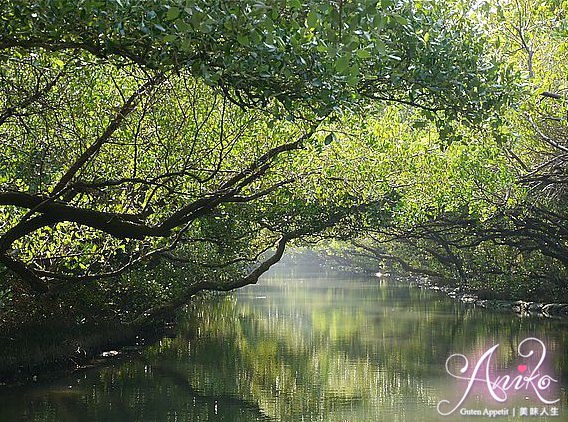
(154, 149)
(491, 214)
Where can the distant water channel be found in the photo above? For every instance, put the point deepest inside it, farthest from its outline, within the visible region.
(327, 348)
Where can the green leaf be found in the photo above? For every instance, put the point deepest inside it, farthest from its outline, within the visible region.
(243, 40)
(331, 51)
(353, 80)
(173, 13)
(401, 20)
(313, 19)
(295, 4)
(182, 26)
(185, 45)
(381, 47)
(363, 54)
(342, 63)
(170, 38)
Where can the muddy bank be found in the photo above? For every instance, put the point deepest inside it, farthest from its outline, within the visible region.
(523, 308)
(40, 352)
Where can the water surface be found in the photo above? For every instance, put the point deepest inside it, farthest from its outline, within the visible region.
(327, 348)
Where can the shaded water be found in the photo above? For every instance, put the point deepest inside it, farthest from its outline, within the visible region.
(311, 349)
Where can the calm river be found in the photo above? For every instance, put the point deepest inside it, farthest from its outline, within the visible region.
(334, 348)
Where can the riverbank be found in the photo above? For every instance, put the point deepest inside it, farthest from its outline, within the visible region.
(39, 342)
(520, 307)
(47, 350)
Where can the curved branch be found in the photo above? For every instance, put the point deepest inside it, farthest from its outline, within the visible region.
(119, 225)
(90, 152)
(251, 278)
(27, 275)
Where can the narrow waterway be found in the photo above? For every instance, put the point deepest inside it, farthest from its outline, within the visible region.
(321, 348)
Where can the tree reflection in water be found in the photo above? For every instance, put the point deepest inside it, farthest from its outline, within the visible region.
(327, 349)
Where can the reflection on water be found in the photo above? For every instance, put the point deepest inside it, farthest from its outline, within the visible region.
(289, 349)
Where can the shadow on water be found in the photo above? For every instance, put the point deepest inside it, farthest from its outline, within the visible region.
(296, 349)
(179, 380)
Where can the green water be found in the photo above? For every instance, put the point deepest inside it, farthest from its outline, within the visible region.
(305, 349)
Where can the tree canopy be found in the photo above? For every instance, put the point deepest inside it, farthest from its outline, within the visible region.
(154, 149)
(317, 53)
(490, 214)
